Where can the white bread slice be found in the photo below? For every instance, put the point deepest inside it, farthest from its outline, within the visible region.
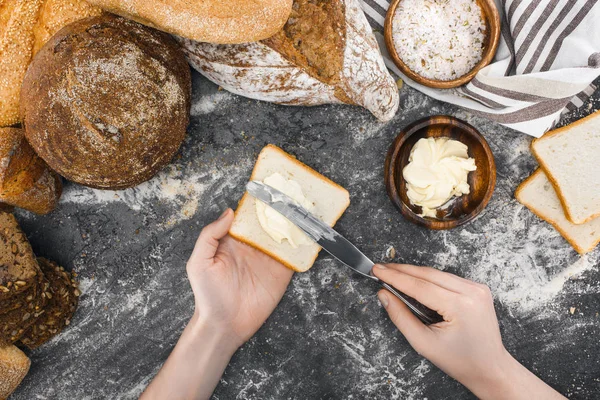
(570, 157)
(537, 194)
(330, 201)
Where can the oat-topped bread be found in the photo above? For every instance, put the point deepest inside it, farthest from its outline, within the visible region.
(25, 25)
(106, 102)
(14, 365)
(18, 266)
(26, 181)
(62, 303)
(215, 21)
(325, 53)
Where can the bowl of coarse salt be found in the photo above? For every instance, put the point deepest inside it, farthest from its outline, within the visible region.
(442, 43)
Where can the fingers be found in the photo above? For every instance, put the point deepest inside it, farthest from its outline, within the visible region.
(440, 278)
(411, 327)
(433, 296)
(208, 241)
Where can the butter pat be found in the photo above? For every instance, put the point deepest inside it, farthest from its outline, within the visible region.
(276, 225)
(436, 172)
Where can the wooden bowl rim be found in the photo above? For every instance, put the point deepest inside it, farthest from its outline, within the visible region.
(393, 157)
(488, 55)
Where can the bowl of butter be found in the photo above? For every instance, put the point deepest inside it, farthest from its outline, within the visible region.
(440, 172)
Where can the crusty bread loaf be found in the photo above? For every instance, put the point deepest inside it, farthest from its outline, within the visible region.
(14, 365)
(539, 196)
(25, 25)
(326, 53)
(106, 102)
(330, 201)
(570, 157)
(215, 21)
(26, 181)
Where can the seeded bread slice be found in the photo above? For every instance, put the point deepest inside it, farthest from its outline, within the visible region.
(18, 266)
(570, 157)
(15, 322)
(14, 365)
(62, 303)
(537, 194)
(330, 201)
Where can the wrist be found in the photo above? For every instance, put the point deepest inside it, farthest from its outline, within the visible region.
(497, 382)
(213, 335)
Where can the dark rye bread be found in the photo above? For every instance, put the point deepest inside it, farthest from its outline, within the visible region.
(18, 266)
(63, 298)
(106, 101)
(26, 181)
(15, 322)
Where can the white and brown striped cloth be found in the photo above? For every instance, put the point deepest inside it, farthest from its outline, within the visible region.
(547, 59)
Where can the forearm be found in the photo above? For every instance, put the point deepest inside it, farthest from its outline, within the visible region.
(514, 382)
(195, 366)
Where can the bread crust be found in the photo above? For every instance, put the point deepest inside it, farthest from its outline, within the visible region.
(564, 234)
(548, 173)
(14, 365)
(247, 197)
(26, 181)
(106, 102)
(213, 21)
(24, 27)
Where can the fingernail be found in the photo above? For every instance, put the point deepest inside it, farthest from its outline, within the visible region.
(383, 299)
(380, 266)
(224, 214)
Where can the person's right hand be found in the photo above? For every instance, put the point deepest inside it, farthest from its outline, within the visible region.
(467, 345)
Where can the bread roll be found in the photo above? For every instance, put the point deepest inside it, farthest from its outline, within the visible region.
(25, 25)
(106, 102)
(26, 181)
(326, 53)
(14, 365)
(215, 21)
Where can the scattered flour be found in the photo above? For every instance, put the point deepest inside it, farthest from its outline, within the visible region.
(180, 188)
(209, 103)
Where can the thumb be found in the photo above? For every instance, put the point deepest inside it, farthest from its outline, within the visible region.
(208, 241)
(417, 334)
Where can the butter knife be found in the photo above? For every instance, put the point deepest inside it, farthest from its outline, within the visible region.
(334, 243)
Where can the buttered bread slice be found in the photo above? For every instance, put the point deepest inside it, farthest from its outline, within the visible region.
(570, 158)
(266, 230)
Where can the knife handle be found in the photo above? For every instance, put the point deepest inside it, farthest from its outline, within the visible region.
(425, 314)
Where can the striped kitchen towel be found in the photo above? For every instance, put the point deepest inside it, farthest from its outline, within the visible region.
(547, 59)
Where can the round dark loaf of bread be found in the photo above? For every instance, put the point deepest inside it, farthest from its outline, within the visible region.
(106, 101)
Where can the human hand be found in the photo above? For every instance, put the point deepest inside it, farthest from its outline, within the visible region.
(236, 287)
(467, 345)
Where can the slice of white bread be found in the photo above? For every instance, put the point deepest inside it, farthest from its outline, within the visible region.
(330, 201)
(14, 365)
(537, 194)
(570, 157)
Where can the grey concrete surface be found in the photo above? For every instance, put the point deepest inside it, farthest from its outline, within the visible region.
(329, 338)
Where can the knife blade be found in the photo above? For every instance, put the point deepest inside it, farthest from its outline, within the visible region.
(332, 242)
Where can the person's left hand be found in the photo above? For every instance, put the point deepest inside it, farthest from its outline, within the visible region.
(236, 287)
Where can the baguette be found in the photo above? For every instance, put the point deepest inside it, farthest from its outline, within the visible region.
(215, 21)
(570, 158)
(326, 53)
(330, 200)
(537, 194)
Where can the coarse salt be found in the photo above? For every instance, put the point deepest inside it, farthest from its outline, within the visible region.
(439, 39)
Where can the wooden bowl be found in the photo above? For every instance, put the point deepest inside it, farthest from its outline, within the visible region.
(481, 181)
(491, 19)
